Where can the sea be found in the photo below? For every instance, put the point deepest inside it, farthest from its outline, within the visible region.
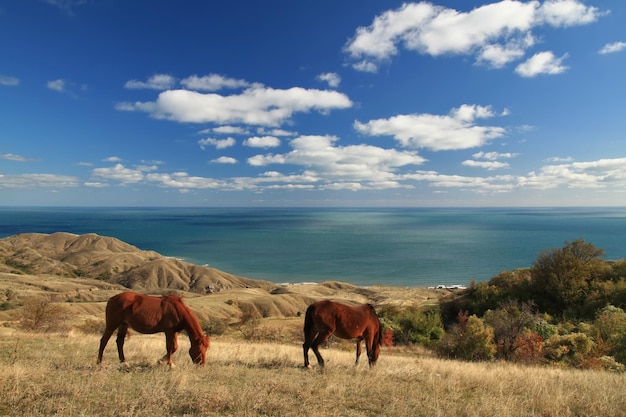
(412, 247)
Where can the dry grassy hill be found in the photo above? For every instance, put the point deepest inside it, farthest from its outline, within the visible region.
(85, 270)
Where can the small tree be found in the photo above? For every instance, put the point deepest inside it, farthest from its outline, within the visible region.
(43, 314)
(511, 322)
(561, 277)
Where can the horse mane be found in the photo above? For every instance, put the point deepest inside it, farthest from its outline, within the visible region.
(193, 325)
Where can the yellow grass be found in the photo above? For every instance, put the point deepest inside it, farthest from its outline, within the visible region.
(57, 375)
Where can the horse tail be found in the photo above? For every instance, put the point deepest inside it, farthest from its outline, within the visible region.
(378, 337)
(308, 321)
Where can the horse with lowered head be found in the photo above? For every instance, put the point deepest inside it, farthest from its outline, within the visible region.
(151, 314)
(325, 318)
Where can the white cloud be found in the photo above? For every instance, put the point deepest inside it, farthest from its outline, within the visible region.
(257, 105)
(333, 79)
(457, 130)
(542, 63)
(330, 163)
(9, 81)
(13, 157)
(224, 160)
(57, 85)
(112, 159)
(212, 82)
(598, 174)
(182, 181)
(488, 165)
(275, 132)
(119, 173)
(494, 156)
(37, 181)
(498, 55)
(228, 130)
(563, 13)
(262, 142)
(156, 82)
(560, 159)
(611, 48)
(218, 143)
(498, 32)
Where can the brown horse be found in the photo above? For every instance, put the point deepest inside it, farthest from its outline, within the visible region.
(324, 318)
(149, 314)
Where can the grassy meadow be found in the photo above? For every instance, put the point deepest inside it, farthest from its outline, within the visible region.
(56, 374)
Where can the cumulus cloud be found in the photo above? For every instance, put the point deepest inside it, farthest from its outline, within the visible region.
(542, 63)
(262, 142)
(611, 48)
(494, 156)
(598, 174)
(9, 81)
(119, 173)
(218, 143)
(490, 161)
(156, 82)
(354, 163)
(224, 160)
(212, 82)
(257, 105)
(228, 130)
(333, 79)
(57, 85)
(456, 130)
(488, 165)
(496, 33)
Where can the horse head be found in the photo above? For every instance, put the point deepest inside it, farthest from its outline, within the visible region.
(198, 349)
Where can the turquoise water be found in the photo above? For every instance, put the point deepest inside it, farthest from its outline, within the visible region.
(408, 247)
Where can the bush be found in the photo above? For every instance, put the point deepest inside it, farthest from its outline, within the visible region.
(413, 325)
(470, 339)
(571, 349)
(43, 314)
(511, 323)
(214, 327)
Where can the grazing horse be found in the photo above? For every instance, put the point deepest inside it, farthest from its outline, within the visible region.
(324, 318)
(150, 314)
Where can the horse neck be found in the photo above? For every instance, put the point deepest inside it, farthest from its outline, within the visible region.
(190, 323)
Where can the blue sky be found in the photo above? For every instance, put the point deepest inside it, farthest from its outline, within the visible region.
(324, 103)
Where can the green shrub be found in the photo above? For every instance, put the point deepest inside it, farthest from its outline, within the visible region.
(570, 349)
(469, 339)
(413, 325)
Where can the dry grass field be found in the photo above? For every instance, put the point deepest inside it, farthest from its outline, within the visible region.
(56, 374)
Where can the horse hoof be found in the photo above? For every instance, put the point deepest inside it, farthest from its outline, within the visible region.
(307, 367)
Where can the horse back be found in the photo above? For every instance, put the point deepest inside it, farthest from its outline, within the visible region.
(348, 322)
(143, 313)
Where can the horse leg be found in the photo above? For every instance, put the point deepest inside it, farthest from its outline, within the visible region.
(305, 347)
(167, 358)
(171, 344)
(369, 346)
(309, 337)
(108, 332)
(358, 350)
(121, 336)
(321, 338)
